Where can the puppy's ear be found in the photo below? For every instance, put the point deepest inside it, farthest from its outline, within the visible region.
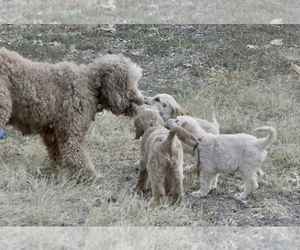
(178, 111)
(139, 131)
(184, 125)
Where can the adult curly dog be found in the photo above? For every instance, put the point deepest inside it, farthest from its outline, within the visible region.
(59, 101)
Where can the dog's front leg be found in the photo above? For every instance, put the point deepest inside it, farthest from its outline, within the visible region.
(206, 181)
(5, 105)
(75, 157)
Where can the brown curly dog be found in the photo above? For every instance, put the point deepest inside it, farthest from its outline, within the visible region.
(59, 101)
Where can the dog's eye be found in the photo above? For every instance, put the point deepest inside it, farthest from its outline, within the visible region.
(177, 121)
(157, 99)
(164, 105)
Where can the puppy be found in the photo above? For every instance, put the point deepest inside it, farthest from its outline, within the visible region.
(161, 154)
(168, 108)
(227, 154)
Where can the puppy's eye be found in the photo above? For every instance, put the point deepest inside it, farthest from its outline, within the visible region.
(164, 105)
(177, 121)
(157, 99)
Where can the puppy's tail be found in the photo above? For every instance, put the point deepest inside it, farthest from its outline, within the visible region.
(264, 143)
(187, 138)
(182, 135)
(214, 120)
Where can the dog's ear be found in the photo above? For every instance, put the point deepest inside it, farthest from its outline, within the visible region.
(113, 89)
(178, 111)
(139, 131)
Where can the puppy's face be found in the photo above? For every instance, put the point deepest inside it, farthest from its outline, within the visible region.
(147, 116)
(177, 122)
(166, 105)
(185, 122)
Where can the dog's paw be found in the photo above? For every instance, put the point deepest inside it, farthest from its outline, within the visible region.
(198, 194)
(240, 196)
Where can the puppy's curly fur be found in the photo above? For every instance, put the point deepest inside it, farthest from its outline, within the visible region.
(59, 101)
(161, 154)
(228, 154)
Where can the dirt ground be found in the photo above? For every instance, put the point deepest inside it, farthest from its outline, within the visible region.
(230, 68)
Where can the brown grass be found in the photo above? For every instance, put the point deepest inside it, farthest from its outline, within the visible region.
(247, 89)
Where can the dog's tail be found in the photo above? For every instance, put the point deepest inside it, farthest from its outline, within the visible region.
(182, 135)
(214, 120)
(264, 143)
(187, 138)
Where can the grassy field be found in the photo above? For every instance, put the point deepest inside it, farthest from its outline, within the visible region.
(154, 11)
(205, 68)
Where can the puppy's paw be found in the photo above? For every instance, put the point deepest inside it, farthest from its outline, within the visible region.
(241, 188)
(240, 196)
(198, 194)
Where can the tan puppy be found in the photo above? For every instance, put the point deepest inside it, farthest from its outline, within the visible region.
(161, 154)
(227, 154)
(168, 108)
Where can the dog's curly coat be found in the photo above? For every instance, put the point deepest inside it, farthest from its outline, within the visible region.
(161, 154)
(58, 101)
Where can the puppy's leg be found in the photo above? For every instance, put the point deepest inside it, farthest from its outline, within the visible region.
(250, 184)
(259, 173)
(141, 185)
(214, 184)
(177, 184)
(157, 180)
(207, 179)
(75, 157)
(5, 105)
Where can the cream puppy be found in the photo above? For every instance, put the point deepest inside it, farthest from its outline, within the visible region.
(227, 154)
(168, 108)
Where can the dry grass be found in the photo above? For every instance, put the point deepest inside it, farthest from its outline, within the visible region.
(154, 11)
(150, 238)
(205, 68)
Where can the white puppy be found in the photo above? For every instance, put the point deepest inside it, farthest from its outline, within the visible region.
(168, 108)
(227, 154)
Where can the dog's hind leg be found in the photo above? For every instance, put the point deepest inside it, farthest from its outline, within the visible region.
(143, 176)
(157, 181)
(250, 184)
(177, 185)
(5, 105)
